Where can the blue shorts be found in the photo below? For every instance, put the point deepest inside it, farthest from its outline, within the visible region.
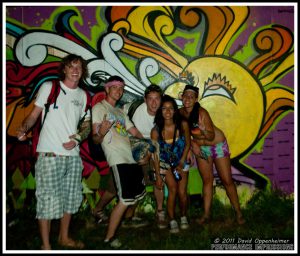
(58, 186)
(216, 151)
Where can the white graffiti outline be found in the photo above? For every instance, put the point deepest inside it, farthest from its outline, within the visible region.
(33, 48)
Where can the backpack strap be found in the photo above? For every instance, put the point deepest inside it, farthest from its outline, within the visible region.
(55, 90)
(88, 101)
(87, 107)
(133, 107)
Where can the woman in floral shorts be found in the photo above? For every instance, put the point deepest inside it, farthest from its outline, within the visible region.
(210, 148)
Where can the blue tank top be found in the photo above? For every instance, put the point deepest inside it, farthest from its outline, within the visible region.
(169, 155)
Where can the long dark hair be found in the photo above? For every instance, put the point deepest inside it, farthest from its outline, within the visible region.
(194, 116)
(159, 120)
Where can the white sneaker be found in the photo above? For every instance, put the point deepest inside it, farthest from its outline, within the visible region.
(161, 220)
(174, 227)
(113, 242)
(184, 223)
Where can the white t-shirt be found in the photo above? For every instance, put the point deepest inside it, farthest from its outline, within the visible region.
(61, 122)
(115, 144)
(143, 121)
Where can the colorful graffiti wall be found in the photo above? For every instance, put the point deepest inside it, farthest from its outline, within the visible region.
(240, 57)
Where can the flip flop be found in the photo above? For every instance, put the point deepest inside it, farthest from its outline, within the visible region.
(203, 220)
(72, 244)
(44, 248)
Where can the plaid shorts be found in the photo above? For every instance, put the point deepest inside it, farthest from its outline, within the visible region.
(58, 186)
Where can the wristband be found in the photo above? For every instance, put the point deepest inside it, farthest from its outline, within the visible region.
(76, 141)
(77, 138)
(22, 136)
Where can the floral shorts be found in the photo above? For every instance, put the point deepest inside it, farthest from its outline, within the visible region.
(216, 151)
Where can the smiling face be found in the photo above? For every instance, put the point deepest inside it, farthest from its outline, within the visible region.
(153, 100)
(189, 98)
(114, 92)
(73, 72)
(167, 110)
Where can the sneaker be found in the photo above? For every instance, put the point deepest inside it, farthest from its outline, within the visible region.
(161, 220)
(184, 223)
(134, 222)
(174, 227)
(113, 242)
(100, 217)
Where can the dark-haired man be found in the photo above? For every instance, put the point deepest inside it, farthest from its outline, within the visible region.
(143, 119)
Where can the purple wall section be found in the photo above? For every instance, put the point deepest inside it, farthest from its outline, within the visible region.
(36, 15)
(277, 158)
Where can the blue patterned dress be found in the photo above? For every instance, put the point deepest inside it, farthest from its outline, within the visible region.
(171, 156)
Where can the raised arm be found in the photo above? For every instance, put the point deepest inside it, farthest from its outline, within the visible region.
(99, 130)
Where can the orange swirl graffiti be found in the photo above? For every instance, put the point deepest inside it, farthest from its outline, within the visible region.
(222, 17)
(273, 43)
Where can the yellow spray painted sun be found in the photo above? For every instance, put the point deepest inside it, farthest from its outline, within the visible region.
(242, 97)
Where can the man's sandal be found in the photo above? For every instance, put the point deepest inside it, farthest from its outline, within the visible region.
(72, 244)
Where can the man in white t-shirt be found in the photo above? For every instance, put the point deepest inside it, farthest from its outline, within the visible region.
(58, 170)
(111, 128)
(143, 119)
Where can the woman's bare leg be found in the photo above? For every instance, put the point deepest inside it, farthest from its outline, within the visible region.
(206, 171)
(223, 167)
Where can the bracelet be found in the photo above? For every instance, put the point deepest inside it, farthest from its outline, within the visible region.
(76, 141)
(22, 136)
(77, 138)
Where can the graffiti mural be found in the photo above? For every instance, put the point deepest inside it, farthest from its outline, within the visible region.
(240, 57)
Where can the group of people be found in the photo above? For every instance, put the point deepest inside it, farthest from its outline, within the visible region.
(177, 134)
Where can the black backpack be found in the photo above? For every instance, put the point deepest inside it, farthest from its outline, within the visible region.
(95, 150)
(133, 107)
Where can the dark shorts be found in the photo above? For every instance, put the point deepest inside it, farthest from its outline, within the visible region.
(129, 180)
